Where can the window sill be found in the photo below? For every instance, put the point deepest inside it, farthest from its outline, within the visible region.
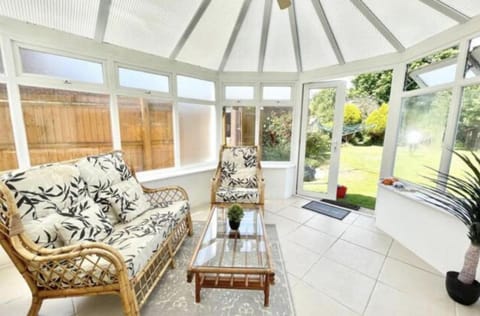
(161, 174)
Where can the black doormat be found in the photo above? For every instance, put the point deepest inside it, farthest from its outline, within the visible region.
(326, 209)
(342, 204)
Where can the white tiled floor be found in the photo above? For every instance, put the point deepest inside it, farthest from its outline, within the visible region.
(334, 268)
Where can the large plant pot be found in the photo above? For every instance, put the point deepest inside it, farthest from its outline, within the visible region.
(465, 294)
(234, 225)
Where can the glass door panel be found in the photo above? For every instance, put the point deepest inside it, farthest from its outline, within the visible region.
(322, 117)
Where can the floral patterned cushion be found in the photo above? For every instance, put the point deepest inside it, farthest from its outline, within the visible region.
(144, 235)
(237, 195)
(41, 193)
(127, 199)
(239, 167)
(84, 221)
(100, 173)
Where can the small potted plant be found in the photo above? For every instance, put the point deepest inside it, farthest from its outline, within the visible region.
(235, 215)
(461, 199)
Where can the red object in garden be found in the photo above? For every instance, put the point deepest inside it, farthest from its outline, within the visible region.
(341, 191)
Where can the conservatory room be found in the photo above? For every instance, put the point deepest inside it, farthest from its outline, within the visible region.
(243, 157)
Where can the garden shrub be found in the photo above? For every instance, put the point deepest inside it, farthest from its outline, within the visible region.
(376, 123)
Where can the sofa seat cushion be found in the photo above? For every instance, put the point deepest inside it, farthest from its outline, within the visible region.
(236, 195)
(100, 173)
(41, 193)
(144, 235)
(84, 221)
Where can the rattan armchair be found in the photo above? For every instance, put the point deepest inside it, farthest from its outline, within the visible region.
(238, 177)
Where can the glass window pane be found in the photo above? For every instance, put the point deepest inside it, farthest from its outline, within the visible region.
(142, 80)
(420, 138)
(239, 93)
(472, 68)
(147, 132)
(239, 125)
(276, 133)
(197, 132)
(63, 125)
(8, 156)
(193, 88)
(468, 128)
(432, 70)
(41, 63)
(277, 93)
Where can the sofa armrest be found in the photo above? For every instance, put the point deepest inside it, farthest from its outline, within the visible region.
(215, 184)
(82, 265)
(165, 194)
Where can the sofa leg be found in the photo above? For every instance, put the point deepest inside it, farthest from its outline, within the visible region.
(190, 224)
(35, 307)
(130, 308)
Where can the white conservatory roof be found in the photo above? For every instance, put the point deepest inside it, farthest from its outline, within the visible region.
(251, 35)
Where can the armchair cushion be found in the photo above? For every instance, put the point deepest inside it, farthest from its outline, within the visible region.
(238, 167)
(84, 221)
(237, 195)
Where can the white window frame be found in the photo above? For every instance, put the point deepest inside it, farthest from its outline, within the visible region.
(277, 84)
(239, 101)
(204, 101)
(145, 92)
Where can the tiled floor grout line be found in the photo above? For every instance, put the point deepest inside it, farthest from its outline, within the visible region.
(378, 277)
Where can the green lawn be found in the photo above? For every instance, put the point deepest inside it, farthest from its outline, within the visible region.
(360, 167)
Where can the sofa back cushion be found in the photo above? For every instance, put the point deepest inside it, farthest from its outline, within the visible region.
(128, 200)
(100, 173)
(239, 167)
(41, 194)
(84, 221)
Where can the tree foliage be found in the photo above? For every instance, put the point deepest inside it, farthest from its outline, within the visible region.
(351, 114)
(276, 136)
(376, 122)
(374, 85)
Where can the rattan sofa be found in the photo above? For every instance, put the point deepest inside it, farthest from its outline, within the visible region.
(35, 225)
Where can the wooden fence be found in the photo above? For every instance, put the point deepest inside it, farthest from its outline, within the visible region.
(63, 125)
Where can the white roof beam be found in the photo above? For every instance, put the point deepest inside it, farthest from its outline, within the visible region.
(102, 19)
(236, 29)
(378, 24)
(328, 30)
(446, 10)
(267, 13)
(191, 26)
(296, 40)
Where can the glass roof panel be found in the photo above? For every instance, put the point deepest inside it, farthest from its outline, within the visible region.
(77, 17)
(314, 45)
(355, 35)
(150, 26)
(216, 23)
(244, 55)
(279, 54)
(468, 7)
(405, 18)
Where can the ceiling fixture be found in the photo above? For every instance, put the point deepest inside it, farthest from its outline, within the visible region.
(283, 4)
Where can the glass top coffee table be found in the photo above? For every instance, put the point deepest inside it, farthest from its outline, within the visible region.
(226, 259)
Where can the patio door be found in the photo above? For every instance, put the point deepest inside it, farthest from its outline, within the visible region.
(320, 139)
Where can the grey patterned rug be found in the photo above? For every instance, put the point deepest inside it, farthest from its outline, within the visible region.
(174, 296)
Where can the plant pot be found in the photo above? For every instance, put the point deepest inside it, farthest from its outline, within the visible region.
(234, 225)
(465, 294)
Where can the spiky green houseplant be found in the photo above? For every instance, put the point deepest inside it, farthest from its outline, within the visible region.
(235, 213)
(461, 199)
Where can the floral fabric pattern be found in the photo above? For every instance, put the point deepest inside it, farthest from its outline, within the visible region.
(237, 195)
(144, 235)
(100, 173)
(238, 167)
(127, 199)
(41, 194)
(84, 221)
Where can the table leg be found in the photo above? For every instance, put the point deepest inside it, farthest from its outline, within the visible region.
(197, 288)
(266, 292)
